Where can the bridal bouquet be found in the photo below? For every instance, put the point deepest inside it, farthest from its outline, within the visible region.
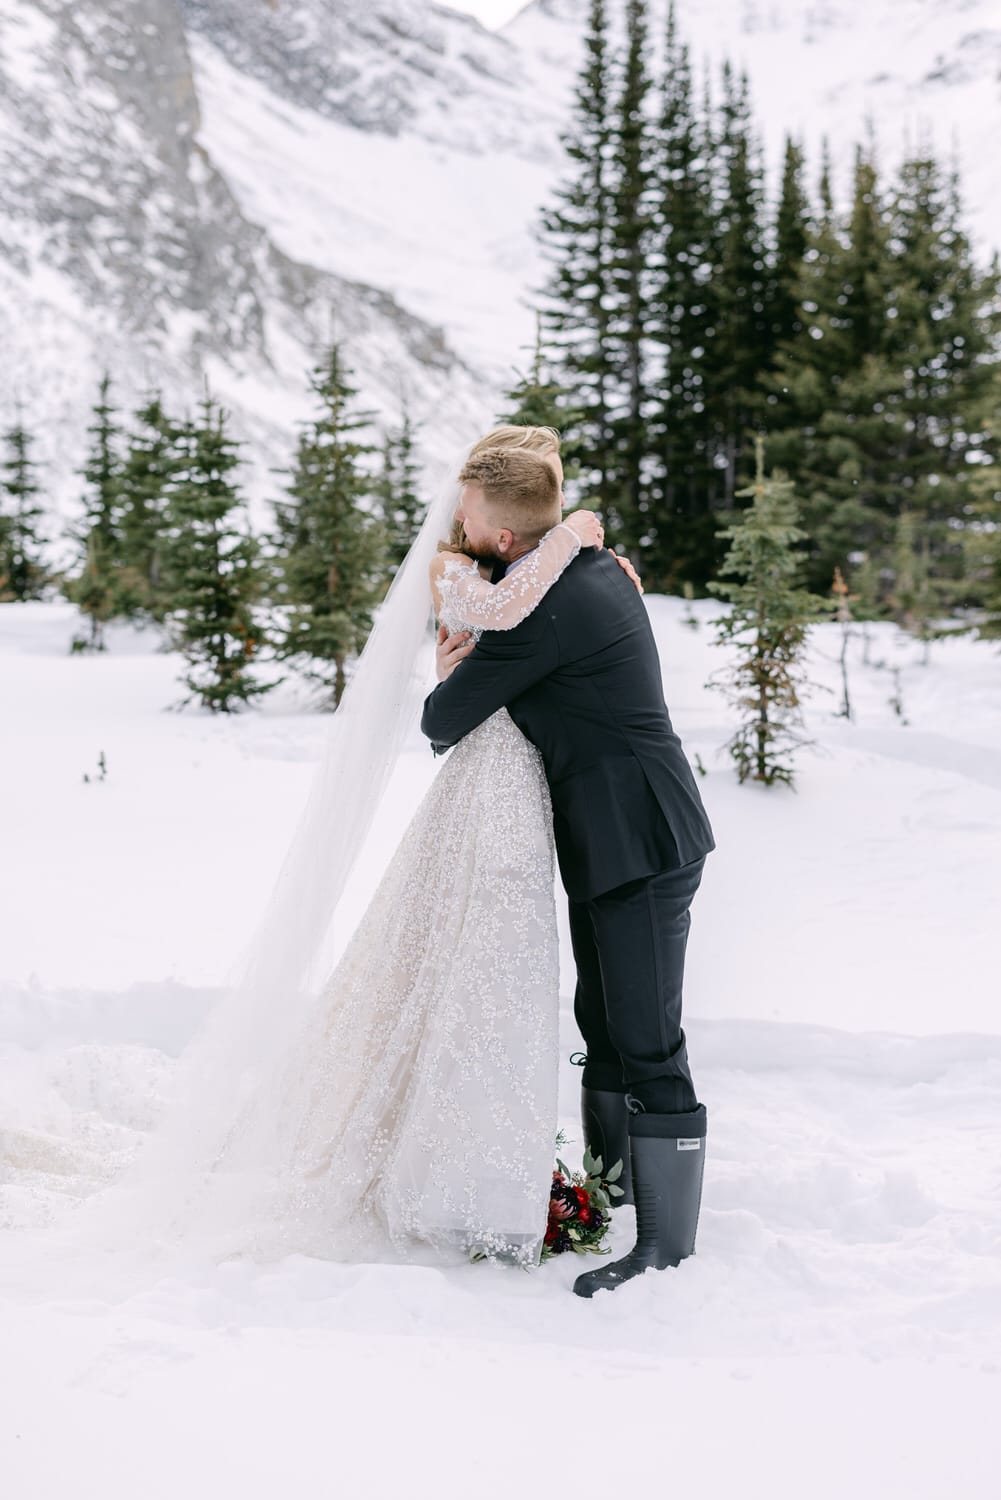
(580, 1207)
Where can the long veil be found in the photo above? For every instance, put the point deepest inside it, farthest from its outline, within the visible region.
(209, 1174)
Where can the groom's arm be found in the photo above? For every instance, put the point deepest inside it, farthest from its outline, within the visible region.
(504, 664)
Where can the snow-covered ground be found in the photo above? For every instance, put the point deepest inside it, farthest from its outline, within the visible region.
(839, 1330)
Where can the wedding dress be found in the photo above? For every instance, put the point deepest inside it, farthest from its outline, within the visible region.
(406, 1108)
(428, 1087)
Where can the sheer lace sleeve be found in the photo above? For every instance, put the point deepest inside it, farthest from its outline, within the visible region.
(464, 596)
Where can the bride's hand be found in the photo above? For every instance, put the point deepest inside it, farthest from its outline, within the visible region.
(587, 526)
(629, 570)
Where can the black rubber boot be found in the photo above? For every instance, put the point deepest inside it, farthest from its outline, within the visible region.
(668, 1158)
(605, 1121)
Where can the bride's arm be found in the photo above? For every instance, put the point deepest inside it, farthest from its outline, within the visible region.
(459, 589)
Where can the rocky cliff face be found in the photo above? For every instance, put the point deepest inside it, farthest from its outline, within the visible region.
(389, 66)
(122, 243)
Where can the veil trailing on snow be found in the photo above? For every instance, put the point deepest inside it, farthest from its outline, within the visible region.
(231, 1103)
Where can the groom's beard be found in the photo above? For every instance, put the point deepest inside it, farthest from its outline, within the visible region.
(482, 554)
(460, 541)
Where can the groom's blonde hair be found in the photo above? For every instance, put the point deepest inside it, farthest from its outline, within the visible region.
(521, 490)
(542, 440)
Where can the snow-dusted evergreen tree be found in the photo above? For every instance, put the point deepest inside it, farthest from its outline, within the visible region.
(22, 571)
(211, 568)
(836, 384)
(765, 629)
(95, 589)
(154, 459)
(739, 347)
(680, 525)
(687, 319)
(538, 400)
(626, 497)
(576, 240)
(403, 507)
(329, 542)
(879, 401)
(983, 546)
(790, 240)
(943, 346)
(990, 624)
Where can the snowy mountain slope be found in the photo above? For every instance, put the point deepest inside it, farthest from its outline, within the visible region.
(396, 67)
(448, 231)
(121, 242)
(214, 186)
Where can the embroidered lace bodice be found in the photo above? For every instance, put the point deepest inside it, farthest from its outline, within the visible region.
(469, 602)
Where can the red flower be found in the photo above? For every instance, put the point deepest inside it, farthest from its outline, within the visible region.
(560, 1209)
(581, 1195)
(551, 1233)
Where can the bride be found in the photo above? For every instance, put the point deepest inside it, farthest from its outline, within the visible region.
(404, 1107)
(425, 1094)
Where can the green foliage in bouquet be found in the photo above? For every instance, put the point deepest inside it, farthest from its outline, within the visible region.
(580, 1207)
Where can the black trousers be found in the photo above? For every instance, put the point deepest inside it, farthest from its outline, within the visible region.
(629, 945)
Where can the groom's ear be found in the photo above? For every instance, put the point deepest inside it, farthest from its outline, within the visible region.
(505, 540)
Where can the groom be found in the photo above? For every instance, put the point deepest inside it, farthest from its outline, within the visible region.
(582, 680)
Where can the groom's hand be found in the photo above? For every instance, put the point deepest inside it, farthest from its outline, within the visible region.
(451, 650)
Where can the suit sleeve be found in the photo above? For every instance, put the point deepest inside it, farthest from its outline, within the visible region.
(503, 665)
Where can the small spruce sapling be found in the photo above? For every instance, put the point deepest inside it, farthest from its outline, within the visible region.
(766, 628)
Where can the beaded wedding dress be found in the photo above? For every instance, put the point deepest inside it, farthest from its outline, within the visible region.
(427, 1089)
(410, 1113)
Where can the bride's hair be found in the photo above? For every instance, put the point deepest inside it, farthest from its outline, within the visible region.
(543, 440)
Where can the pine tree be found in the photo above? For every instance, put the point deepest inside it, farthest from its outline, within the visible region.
(681, 529)
(983, 546)
(943, 342)
(96, 588)
(22, 572)
(93, 591)
(212, 568)
(538, 400)
(834, 385)
(403, 509)
(790, 238)
(766, 629)
(883, 392)
(576, 240)
(331, 549)
(154, 459)
(738, 345)
(626, 496)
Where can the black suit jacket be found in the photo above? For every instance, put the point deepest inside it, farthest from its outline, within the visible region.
(581, 678)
